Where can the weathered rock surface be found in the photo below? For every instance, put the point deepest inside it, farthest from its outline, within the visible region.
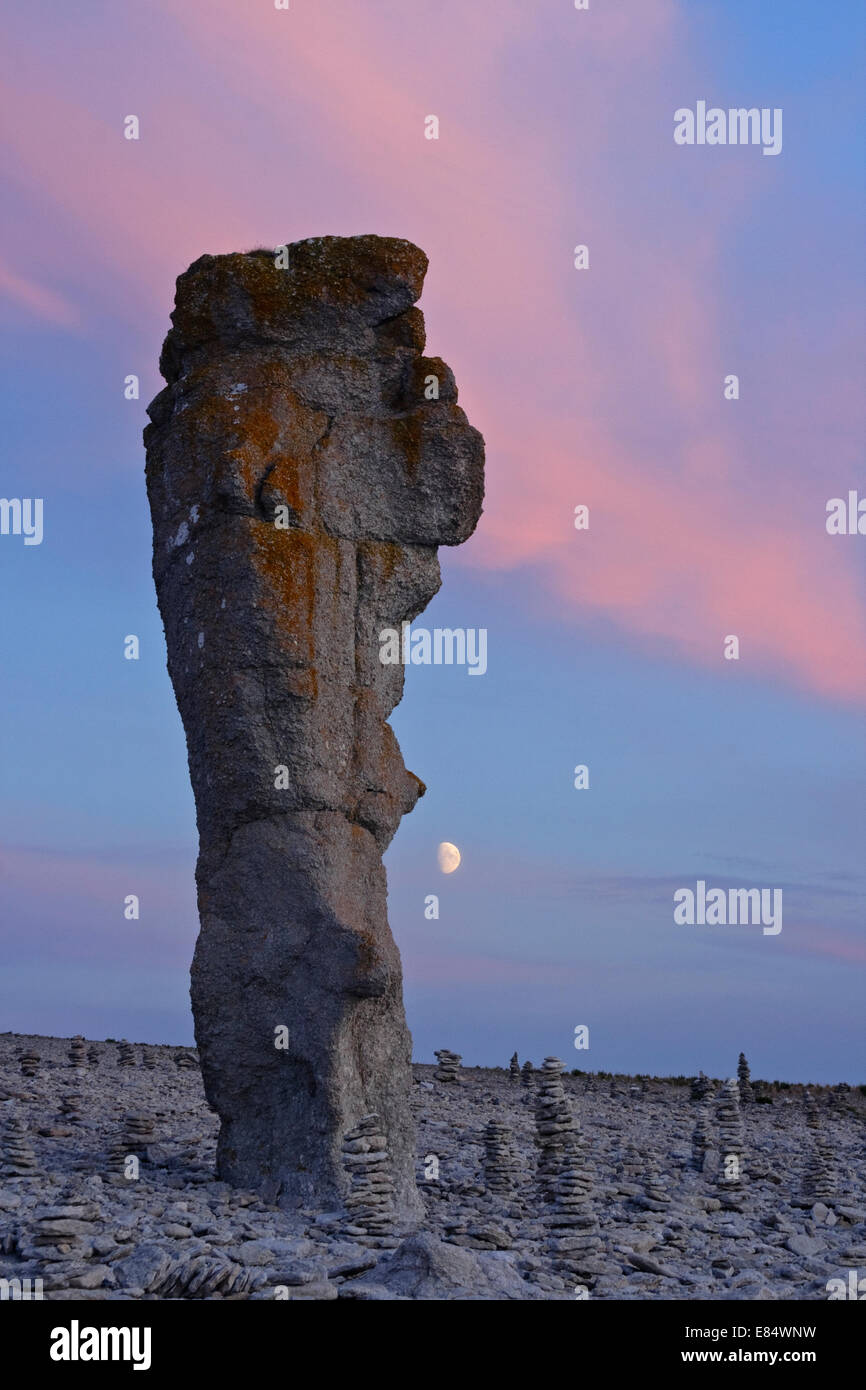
(300, 481)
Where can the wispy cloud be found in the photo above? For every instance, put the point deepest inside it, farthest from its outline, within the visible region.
(589, 388)
(43, 303)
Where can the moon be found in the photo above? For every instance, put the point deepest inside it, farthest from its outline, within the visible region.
(448, 856)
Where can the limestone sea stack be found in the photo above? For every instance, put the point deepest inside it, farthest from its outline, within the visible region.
(304, 463)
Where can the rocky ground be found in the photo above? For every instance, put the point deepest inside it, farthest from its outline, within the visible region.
(76, 1213)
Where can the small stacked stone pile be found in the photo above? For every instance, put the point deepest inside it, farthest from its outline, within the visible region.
(78, 1052)
(553, 1121)
(62, 1233)
(702, 1136)
(635, 1092)
(526, 1076)
(731, 1175)
(819, 1180)
(93, 1056)
(370, 1201)
(514, 1068)
(16, 1157)
(839, 1097)
(449, 1065)
(744, 1081)
(656, 1195)
(29, 1062)
(70, 1107)
(571, 1221)
(700, 1087)
(148, 1058)
(126, 1054)
(629, 1173)
(614, 1089)
(501, 1165)
(134, 1136)
(186, 1060)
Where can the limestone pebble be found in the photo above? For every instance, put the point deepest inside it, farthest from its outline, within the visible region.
(370, 1200)
(449, 1065)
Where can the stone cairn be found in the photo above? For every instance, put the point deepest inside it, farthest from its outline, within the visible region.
(449, 1065)
(744, 1081)
(702, 1136)
(62, 1232)
(78, 1052)
(526, 1073)
(501, 1165)
(187, 1061)
(819, 1179)
(29, 1062)
(731, 1175)
(840, 1096)
(18, 1158)
(630, 1170)
(93, 1056)
(700, 1087)
(656, 1194)
(133, 1137)
(126, 1054)
(553, 1121)
(70, 1107)
(149, 1058)
(370, 1201)
(571, 1221)
(514, 1068)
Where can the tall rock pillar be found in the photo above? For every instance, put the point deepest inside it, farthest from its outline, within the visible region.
(304, 462)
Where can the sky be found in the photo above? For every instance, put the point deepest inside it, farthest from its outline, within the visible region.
(601, 387)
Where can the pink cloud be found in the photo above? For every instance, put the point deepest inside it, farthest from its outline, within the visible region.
(588, 389)
(37, 299)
